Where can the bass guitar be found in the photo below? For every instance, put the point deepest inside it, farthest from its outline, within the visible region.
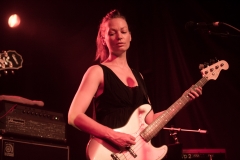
(98, 149)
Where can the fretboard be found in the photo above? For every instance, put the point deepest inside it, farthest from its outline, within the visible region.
(150, 131)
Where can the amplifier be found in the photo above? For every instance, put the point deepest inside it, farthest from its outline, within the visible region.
(15, 149)
(30, 120)
(204, 154)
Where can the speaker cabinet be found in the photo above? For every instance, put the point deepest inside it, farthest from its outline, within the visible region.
(12, 149)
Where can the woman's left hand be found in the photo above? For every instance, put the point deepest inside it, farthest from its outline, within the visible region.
(194, 92)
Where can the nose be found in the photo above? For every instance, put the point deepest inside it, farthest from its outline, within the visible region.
(120, 36)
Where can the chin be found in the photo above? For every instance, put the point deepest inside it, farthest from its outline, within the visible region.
(119, 52)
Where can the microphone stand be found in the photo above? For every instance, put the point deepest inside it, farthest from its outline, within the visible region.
(229, 26)
(173, 132)
(225, 34)
(187, 130)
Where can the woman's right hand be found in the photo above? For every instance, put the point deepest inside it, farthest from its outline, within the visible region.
(122, 139)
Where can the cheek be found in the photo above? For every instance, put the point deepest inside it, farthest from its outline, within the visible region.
(109, 41)
(129, 40)
(130, 37)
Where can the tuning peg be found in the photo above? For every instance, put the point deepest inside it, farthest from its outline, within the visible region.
(201, 66)
(204, 65)
(5, 72)
(212, 61)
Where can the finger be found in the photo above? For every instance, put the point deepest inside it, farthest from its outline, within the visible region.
(191, 95)
(195, 93)
(131, 142)
(198, 91)
(198, 88)
(132, 138)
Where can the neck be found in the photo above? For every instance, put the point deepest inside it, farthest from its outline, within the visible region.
(119, 61)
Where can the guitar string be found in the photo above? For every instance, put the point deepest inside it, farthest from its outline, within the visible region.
(126, 154)
(135, 148)
(138, 132)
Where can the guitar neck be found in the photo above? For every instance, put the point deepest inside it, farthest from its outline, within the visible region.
(150, 131)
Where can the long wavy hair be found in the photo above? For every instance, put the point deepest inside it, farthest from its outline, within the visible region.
(102, 52)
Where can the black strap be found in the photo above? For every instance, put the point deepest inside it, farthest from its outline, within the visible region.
(141, 83)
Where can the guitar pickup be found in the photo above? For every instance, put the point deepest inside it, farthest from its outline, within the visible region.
(131, 152)
(114, 156)
(129, 149)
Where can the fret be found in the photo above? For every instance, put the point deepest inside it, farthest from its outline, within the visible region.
(150, 131)
(202, 81)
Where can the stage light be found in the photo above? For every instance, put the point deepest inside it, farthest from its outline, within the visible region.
(14, 21)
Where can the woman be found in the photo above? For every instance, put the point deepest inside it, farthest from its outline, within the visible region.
(115, 88)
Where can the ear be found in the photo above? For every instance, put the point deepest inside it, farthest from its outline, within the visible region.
(103, 41)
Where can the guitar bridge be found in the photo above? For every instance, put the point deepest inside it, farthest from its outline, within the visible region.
(114, 156)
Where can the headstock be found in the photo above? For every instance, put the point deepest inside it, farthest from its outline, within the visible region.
(212, 71)
(10, 60)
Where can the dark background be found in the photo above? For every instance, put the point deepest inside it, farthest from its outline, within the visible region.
(57, 42)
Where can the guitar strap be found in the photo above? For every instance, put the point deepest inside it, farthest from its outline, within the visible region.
(141, 84)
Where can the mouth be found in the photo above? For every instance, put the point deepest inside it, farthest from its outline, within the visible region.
(120, 44)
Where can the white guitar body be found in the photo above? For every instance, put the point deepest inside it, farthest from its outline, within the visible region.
(97, 149)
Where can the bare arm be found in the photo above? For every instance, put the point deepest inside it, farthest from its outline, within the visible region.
(90, 85)
(82, 99)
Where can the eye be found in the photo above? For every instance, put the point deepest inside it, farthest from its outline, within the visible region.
(111, 34)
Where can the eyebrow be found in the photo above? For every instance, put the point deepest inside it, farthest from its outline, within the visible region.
(116, 29)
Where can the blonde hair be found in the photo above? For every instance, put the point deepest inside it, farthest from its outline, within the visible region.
(102, 52)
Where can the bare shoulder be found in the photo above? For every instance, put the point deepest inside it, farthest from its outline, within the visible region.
(93, 78)
(94, 71)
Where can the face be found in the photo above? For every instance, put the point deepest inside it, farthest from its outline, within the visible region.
(116, 36)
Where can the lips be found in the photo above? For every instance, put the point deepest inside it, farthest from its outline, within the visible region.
(120, 44)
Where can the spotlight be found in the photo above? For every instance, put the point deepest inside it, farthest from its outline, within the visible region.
(14, 21)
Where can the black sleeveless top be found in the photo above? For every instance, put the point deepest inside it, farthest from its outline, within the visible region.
(115, 105)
